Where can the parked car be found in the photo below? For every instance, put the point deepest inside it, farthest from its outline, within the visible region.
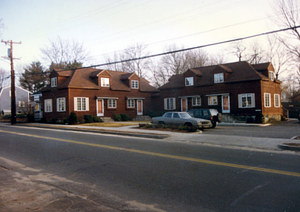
(210, 114)
(181, 118)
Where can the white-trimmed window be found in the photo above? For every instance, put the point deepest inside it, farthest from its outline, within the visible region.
(54, 82)
(169, 104)
(134, 84)
(219, 78)
(81, 103)
(130, 103)
(189, 81)
(267, 98)
(212, 100)
(196, 101)
(276, 100)
(48, 105)
(61, 104)
(271, 75)
(246, 100)
(112, 103)
(104, 82)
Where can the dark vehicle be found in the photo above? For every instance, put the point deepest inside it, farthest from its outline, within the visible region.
(299, 117)
(210, 114)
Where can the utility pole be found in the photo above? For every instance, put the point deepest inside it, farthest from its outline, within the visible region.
(13, 88)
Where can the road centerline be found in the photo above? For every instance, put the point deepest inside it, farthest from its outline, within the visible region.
(176, 157)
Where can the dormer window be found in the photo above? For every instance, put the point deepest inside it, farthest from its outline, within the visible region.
(134, 84)
(219, 78)
(54, 82)
(189, 81)
(104, 82)
(271, 75)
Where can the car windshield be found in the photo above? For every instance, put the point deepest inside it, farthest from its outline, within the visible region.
(185, 115)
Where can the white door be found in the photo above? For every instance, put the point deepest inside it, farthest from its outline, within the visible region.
(100, 107)
(139, 107)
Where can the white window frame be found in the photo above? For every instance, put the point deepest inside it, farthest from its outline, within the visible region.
(170, 104)
(271, 75)
(130, 103)
(219, 78)
(81, 104)
(48, 105)
(189, 81)
(61, 104)
(54, 82)
(104, 82)
(134, 84)
(196, 101)
(213, 100)
(267, 100)
(111, 103)
(276, 100)
(246, 104)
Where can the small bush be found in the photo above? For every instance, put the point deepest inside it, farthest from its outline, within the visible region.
(192, 129)
(181, 127)
(124, 117)
(53, 121)
(155, 113)
(72, 118)
(21, 116)
(88, 118)
(7, 117)
(117, 117)
(96, 119)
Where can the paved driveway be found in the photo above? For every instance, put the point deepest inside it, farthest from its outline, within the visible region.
(280, 130)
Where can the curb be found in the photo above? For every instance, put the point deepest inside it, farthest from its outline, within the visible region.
(287, 146)
(155, 136)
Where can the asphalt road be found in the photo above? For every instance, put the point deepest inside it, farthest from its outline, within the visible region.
(134, 174)
(284, 130)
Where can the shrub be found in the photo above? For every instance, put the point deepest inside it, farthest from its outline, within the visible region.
(181, 127)
(7, 117)
(259, 118)
(72, 118)
(88, 118)
(54, 121)
(117, 117)
(124, 117)
(96, 119)
(192, 129)
(155, 113)
(21, 116)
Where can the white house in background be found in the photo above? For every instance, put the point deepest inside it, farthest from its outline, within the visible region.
(22, 100)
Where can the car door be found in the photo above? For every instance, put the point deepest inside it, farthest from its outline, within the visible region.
(168, 118)
(176, 119)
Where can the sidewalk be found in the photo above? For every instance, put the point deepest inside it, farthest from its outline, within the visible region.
(197, 137)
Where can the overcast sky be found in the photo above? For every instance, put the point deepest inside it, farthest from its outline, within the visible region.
(108, 26)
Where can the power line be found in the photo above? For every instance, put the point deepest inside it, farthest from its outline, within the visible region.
(192, 48)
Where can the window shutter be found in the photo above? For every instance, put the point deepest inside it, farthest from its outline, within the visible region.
(174, 103)
(75, 103)
(240, 100)
(252, 100)
(165, 104)
(57, 104)
(87, 103)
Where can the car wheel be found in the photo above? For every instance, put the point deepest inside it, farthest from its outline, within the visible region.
(214, 124)
(188, 125)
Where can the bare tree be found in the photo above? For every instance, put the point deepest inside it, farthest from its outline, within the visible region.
(61, 51)
(140, 67)
(288, 17)
(276, 54)
(177, 63)
(238, 49)
(3, 77)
